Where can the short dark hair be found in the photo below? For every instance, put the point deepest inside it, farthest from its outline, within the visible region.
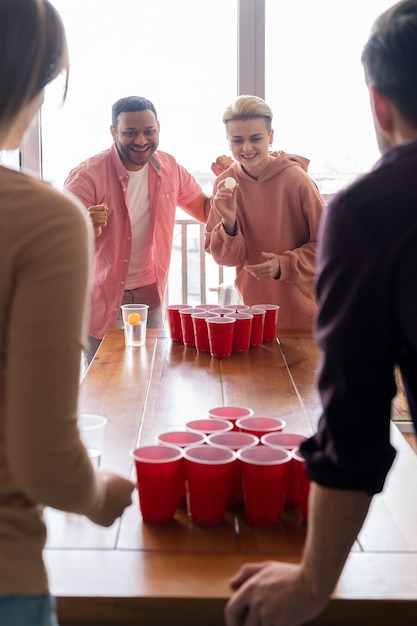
(390, 57)
(130, 104)
(33, 51)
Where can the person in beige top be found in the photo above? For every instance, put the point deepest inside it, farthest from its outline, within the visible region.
(45, 253)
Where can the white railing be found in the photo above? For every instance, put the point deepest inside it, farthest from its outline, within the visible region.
(194, 276)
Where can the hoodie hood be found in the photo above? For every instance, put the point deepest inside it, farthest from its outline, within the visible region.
(281, 161)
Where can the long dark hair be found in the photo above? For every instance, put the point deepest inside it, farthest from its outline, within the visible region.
(33, 51)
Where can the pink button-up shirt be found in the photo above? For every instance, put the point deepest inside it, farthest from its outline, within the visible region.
(104, 179)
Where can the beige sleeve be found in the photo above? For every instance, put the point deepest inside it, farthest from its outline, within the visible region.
(45, 324)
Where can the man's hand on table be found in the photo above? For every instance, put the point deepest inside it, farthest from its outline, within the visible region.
(271, 594)
(281, 594)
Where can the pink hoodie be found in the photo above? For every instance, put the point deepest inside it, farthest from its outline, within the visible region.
(280, 212)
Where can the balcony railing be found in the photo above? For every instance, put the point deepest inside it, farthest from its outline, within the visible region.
(194, 276)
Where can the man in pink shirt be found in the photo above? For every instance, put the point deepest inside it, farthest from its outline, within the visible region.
(131, 192)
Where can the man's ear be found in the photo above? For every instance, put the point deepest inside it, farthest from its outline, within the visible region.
(382, 108)
(113, 132)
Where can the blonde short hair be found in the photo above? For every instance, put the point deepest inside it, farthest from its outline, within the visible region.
(248, 107)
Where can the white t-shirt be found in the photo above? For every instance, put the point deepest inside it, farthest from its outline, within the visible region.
(141, 267)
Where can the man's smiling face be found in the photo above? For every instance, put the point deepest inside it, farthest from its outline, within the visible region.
(136, 137)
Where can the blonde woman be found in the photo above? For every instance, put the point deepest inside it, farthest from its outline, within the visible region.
(44, 260)
(266, 226)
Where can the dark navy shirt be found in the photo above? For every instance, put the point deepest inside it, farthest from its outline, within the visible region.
(367, 322)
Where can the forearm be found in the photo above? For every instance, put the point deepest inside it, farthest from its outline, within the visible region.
(335, 519)
(299, 264)
(225, 249)
(199, 208)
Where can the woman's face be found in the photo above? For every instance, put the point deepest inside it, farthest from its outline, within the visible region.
(21, 123)
(249, 141)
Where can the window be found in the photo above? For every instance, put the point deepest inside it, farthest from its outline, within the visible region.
(182, 55)
(191, 58)
(316, 88)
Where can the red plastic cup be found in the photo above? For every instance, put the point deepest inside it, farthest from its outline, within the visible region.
(208, 474)
(208, 307)
(181, 438)
(271, 321)
(264, 477)
(216, 308)
(303, 483)
(220, 333)
(259, 426)
(289, 441)
(200, 329)
(242, 330)
(209, 426)
(283, 440)
(174, 321)
(257, 330)
(159, 477)
(237, 307)
(230, 413)
(187, 327)
(234, 440)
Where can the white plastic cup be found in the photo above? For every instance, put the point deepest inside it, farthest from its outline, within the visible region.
(135, 317)
(91, 429)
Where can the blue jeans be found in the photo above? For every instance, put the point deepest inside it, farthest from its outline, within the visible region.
(37, 610)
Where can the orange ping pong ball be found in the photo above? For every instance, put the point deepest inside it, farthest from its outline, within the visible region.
(133, 319)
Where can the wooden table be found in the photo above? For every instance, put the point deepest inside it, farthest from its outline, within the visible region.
(178, 574)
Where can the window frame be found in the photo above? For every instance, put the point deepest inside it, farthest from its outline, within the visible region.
(250, 76)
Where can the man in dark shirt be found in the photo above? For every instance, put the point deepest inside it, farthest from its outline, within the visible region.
(366, 325)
